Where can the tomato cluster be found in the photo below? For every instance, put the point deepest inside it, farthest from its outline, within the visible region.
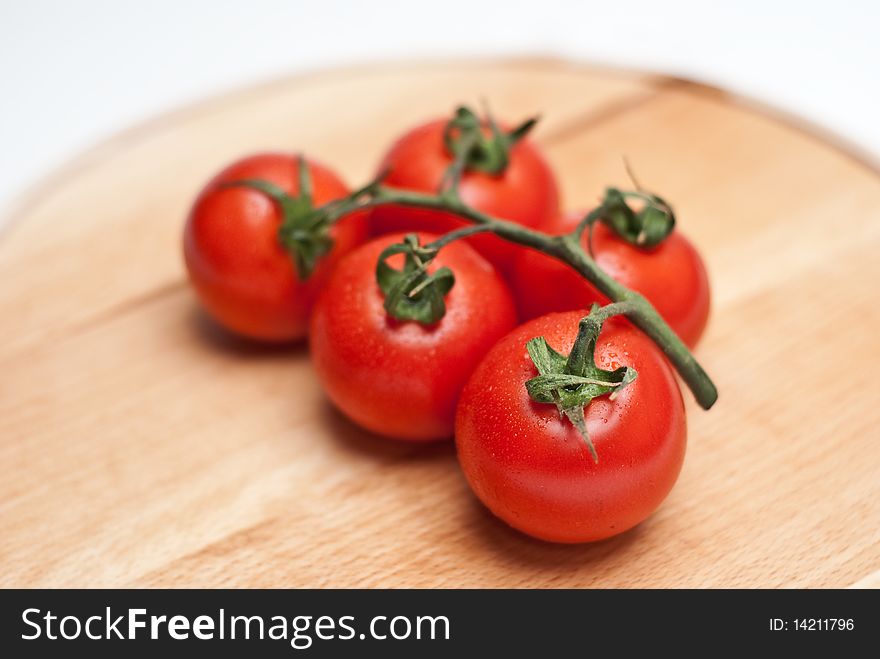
(420, 342)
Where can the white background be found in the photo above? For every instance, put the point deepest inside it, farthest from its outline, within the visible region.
(73, 73)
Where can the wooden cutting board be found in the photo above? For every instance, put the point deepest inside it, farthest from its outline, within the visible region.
(139, 446)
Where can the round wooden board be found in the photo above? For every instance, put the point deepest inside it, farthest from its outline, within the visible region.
(140, 447)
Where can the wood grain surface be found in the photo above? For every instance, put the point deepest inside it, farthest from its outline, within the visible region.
(139, 446)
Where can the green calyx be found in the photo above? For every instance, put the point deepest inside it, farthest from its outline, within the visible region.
(412, 293)
(572, 382)
(646, 227)
(304, 230)
(466, 140)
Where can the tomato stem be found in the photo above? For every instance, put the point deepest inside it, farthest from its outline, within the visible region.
(571, 382)
(566, 248)
(411, 293)
(465, 140)
(458, 234)
(304, 230)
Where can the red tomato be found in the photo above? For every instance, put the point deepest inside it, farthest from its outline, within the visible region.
(532, 468)
(525, 192)
(671, 275)
(402, 379)
(243, 276)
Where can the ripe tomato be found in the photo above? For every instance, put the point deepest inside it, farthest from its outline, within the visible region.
(525, 192)
(402, 379)
(242, 275)
(532, 468)
(671, 275)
